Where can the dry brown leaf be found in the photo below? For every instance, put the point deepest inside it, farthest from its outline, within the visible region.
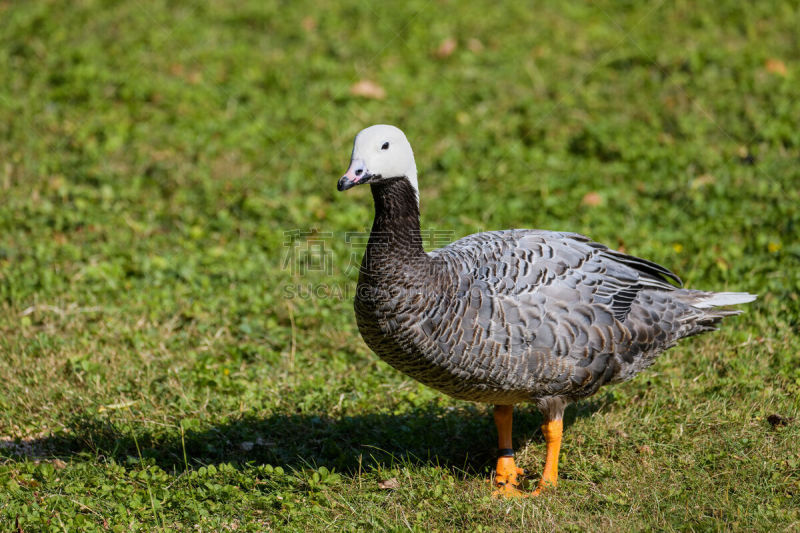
(447, 48)
(58, 464)
(389, 484)
(702, 181)
(309, 24)
(194, 76)
(644, 449)
(474, 45)
(592, 199)
(776, 66)
(368, 89)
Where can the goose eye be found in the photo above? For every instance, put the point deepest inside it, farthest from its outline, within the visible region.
(385, 146)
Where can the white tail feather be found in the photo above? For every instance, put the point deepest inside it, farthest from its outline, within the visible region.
(718, 299)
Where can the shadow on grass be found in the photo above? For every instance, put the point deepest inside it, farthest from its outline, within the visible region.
(461, 439)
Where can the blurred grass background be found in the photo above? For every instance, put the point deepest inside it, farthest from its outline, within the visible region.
(167, 362)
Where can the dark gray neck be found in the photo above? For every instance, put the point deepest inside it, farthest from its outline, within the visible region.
(395, 233)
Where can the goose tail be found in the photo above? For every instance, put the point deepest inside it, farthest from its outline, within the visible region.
(721, 299)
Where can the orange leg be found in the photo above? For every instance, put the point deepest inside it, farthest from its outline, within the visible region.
(507, 478)
(552, 430)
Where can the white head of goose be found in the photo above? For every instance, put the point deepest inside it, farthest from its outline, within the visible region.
(507, 317)
(380, 153)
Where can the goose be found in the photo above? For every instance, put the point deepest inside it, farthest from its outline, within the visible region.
(508, 317)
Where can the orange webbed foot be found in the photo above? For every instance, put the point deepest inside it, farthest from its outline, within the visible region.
(507, 480)
(508, 491)
(544, 485)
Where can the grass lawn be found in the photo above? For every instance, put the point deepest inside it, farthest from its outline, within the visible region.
(178, 349)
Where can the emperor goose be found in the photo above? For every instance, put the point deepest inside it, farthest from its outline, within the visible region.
(511, 316)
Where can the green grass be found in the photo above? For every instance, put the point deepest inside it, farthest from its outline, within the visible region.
(164, 367)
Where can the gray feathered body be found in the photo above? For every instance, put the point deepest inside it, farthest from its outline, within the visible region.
(518, 315)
